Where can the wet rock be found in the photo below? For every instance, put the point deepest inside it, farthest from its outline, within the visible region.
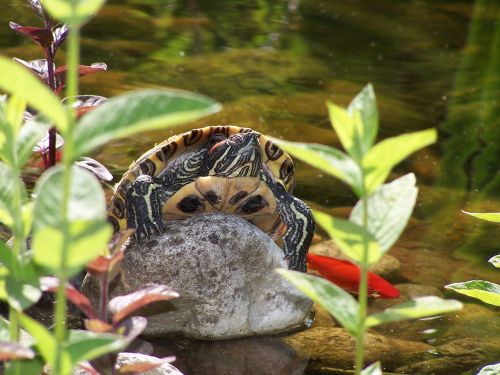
(335, 347)
(224, 269)
(456, 357)
(386, 267)
(249, 356)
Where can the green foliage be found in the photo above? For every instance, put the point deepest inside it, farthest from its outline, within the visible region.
(376, 221)
(389, 209)
(485, 291)
(138, 112)
(350, 237)
(420, 307)
(73, 12)
(385, 155)
(488, 216)
(334, 299)
(21, 83)
(495, 261)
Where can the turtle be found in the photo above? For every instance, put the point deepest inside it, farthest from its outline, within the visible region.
(231, 169)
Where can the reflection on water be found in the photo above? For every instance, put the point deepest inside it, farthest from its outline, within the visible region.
(252, 356)
(274, 64)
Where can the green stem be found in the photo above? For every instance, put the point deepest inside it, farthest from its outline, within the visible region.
(72, 91)
(363, 294)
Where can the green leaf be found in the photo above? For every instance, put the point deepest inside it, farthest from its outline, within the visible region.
(421, 307)
(87, 240)
(379, 161)
(389, 209)
(489, 216)
(485, 291)
(350, 237)
(29, 135)
(328, 159)
(334, 299)
(495, 261)
(87, 202)
(45, 343)
(33, 366)
(73, 12)
(17, 80)
(490, 370)
(136, 112)
(373, 369)
(14, 112)
(357, 126)
(8, 184)
(86, 345)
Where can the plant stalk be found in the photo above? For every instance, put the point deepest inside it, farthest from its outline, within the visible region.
(72, 91)
(363, 294)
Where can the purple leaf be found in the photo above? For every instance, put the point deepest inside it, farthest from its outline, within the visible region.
(98, 325)
(106, 266)
(37, 8)
(13, 350)
(85, 103)
(83, 70)
(39, 67)
(122, 306)
(42, 146)
(40, 35)
(50, 284)
(143, 366)
(59, 35)
(99, 170)
(87, 367)
(133, 327)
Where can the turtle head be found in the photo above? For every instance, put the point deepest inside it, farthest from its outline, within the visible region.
(236, 156)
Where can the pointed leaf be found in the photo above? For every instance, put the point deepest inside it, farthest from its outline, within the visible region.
(357, 126)
(45, 342)
(106, 266)
(96, 168)
(13, 350)
(328, 159)
(73, 12)
(488, 216)
(98, 325)
(87, 202)
(59, 35)
(50, 284)
(87, 240)
(85, 346)
(17, 81)
(490, 370)
(335, 300)
(136, 112)
(25, 367)
(29, 136)
(379, 161)
(122, 306)
(389, 209)
(495, 261)
(8, 184)
(350, 237)
(134, 326)
(421, 307)
(42, 36)
(373, 369)
(485, 291)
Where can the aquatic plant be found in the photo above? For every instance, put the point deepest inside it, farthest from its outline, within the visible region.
(483, 290)
(66, 216)
(375, 222)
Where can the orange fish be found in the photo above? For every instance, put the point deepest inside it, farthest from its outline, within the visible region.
(346, 275)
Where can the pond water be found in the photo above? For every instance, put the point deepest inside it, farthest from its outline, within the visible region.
(274, 64)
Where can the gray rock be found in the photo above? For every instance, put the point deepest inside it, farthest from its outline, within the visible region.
(224, 270)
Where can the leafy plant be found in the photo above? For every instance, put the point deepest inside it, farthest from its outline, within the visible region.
(485, 291)
(50, 37)
(376, 221)
(66, 217)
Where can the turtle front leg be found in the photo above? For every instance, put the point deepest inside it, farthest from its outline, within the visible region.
(144, 202)
(300, 226)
